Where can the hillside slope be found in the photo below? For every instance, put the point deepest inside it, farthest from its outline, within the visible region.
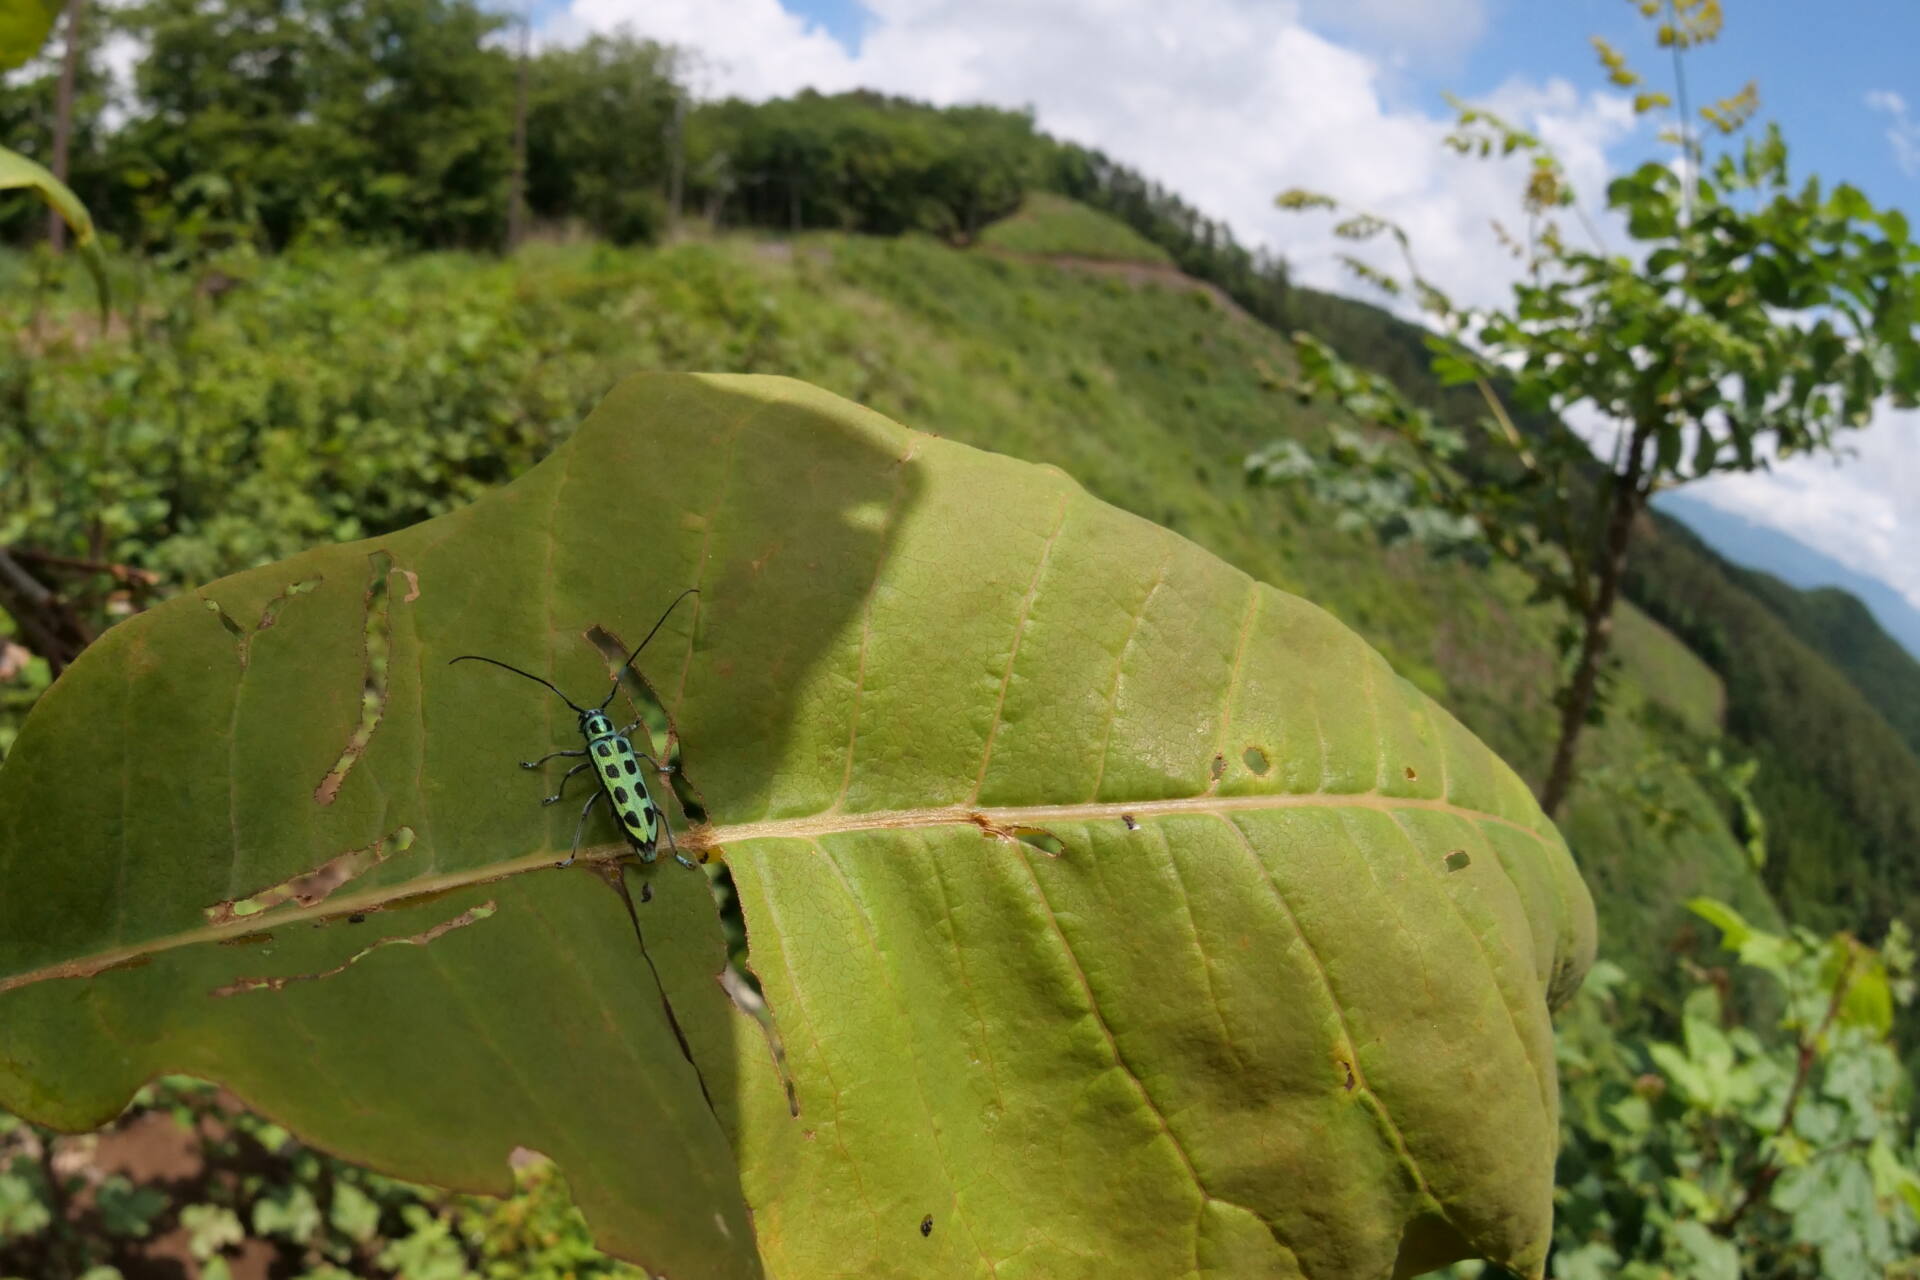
(1150, 396)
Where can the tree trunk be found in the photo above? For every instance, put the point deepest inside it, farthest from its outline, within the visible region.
(517, 183)
(1597, 633)
(63, 118)
(677, 154)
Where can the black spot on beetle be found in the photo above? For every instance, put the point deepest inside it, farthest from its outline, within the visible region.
(632, 768)
(926, 1225)
(604, 749)
(633, 818)
(619, 795)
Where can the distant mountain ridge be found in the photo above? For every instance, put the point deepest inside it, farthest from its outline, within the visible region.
(1755, 546)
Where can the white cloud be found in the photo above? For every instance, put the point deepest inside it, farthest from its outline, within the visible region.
(1861, 509)
(1225, 101)
(1434, 31)
(1228, 102)
(1903, 135)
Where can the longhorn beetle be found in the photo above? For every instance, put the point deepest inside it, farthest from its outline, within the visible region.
(611, 757)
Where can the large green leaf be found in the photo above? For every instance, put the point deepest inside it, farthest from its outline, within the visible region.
(1117, 915)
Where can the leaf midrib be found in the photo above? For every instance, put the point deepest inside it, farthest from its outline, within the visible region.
(1002, 822)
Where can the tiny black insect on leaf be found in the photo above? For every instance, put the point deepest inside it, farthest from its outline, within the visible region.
(926, 1225)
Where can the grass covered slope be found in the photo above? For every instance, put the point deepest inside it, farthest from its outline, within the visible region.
(336, 395)
(1054, 225)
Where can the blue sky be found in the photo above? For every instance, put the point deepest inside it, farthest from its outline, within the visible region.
(1814, 75)
(1231, 101)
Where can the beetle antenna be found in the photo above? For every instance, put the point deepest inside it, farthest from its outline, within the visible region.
(474, 657)
(690, 591)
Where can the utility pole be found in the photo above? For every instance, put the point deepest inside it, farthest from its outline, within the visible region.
(517, 184)
(63, 118)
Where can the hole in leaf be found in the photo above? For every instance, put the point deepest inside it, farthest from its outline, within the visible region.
(744, 990)
(271, 613)
(1218, 769)
(1411, 775)
(1256, 760)
(1456, 859)
(233, 628)
(310, 888)
(1045, 841)
(373, 688)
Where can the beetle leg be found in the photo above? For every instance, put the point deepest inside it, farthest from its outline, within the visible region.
(661, 767)
(555, 797)
(551, 755)
(673, 844)
(580, 826)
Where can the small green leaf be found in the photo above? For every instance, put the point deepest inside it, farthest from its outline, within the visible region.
(289, 1212)
(126, 1209)
(211, 1228)
(16, 172)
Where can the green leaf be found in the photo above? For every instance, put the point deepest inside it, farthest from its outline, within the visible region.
(1712, 1258)
(24, 1209)
(1733, 927)
(211, 1228)
(1103, 900)
(353, 1213)
(126, 1209)
(24, 25)
(290, 1212)
(16, 172)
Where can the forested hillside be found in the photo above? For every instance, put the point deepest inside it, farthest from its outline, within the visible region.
(1843, 631)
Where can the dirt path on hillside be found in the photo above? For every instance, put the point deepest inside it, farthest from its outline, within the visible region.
(1135, 273)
